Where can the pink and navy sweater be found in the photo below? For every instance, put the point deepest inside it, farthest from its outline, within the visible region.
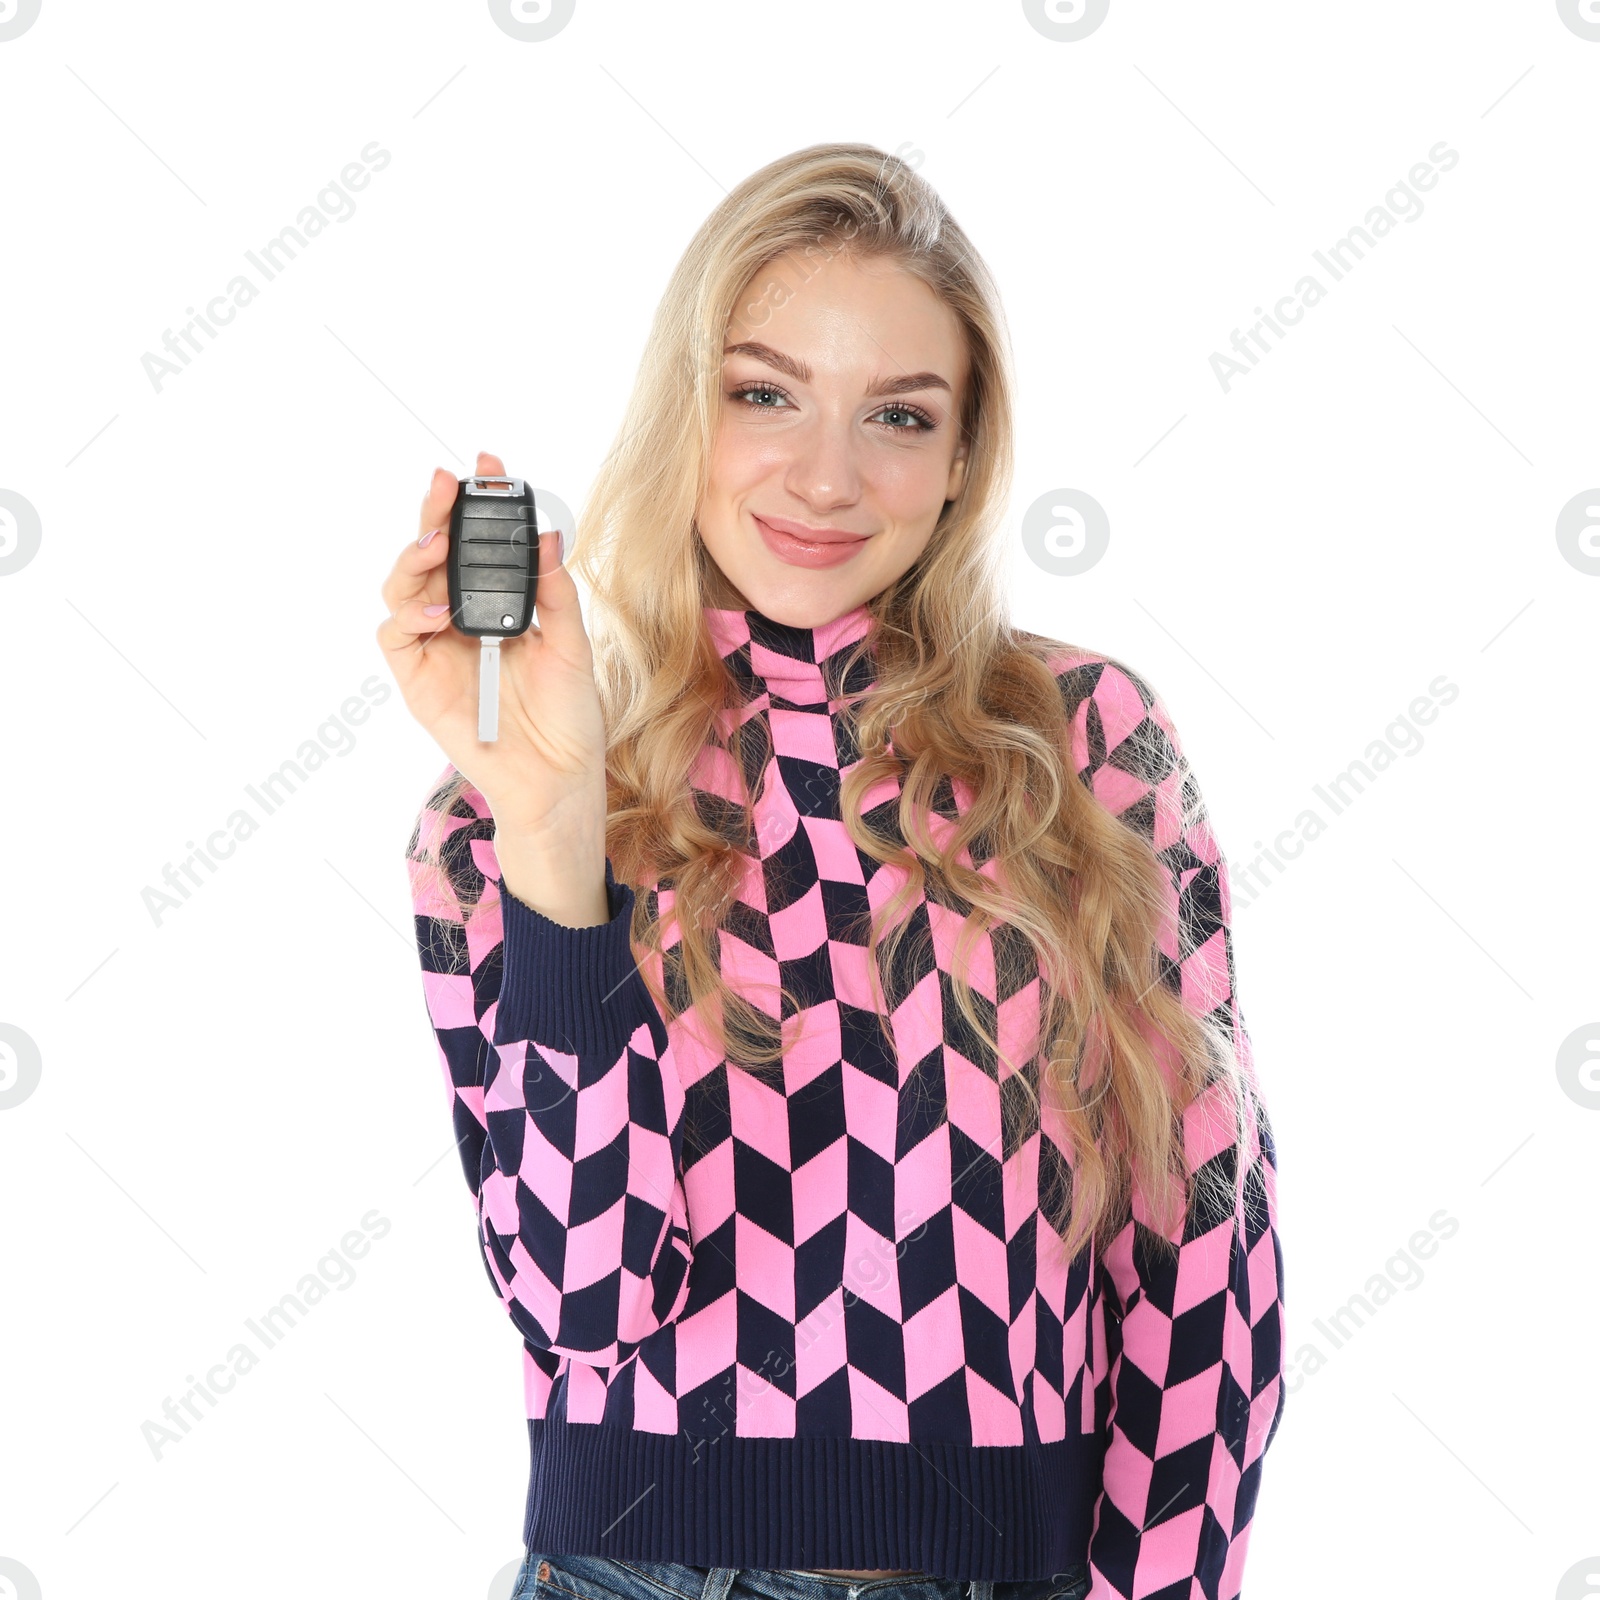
(816, 1324)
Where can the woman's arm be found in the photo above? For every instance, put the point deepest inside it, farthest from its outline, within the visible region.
(1197, 1383)
(568, 1109)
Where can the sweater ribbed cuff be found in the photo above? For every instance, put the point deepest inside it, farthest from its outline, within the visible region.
(574, 989)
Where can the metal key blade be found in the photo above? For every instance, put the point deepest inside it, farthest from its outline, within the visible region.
(488, 690)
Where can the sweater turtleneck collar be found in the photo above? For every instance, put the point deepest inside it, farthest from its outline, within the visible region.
(784, 658)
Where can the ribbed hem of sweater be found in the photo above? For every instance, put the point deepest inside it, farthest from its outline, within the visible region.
(1006, 1513)
(574, 989)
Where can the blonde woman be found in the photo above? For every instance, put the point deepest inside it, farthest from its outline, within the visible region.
(834, 984)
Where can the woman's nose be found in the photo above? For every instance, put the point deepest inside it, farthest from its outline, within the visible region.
(825, 467)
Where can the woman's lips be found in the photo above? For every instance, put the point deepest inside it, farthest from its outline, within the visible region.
(802, 553)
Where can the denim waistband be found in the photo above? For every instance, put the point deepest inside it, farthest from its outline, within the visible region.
(608, 1578)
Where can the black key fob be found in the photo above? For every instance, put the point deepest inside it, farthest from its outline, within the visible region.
(494, 557)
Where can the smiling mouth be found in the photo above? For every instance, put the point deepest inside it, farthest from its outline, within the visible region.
(809, 550)
(811, 536)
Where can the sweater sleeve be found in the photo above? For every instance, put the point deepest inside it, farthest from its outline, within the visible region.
(1196, 1358)
(567, 1107)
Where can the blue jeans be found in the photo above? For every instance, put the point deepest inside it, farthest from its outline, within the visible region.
(557, 1577)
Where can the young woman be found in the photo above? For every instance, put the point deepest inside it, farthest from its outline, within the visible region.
(834, 984)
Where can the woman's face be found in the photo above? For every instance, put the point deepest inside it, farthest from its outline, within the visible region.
(839, 413)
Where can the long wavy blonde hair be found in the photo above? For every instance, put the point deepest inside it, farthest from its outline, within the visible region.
(1080, 891)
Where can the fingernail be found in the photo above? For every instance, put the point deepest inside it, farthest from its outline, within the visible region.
(561, 546)
(423, 541)
(433, 611)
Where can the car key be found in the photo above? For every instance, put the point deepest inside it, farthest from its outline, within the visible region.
(494, 576)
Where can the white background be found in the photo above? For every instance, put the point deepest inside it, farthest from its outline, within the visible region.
(225, 1093)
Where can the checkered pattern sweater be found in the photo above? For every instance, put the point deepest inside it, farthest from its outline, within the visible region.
(812, 1321)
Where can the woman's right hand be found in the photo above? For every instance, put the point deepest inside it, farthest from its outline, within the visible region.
(545, 776)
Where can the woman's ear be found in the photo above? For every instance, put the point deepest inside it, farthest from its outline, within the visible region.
(958, 472)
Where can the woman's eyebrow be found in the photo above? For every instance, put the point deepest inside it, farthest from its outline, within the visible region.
(801, 373)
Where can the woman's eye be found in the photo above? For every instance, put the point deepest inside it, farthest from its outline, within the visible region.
(919, 419)
(756, 388)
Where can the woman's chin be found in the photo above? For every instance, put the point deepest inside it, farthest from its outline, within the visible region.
(796, 611)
